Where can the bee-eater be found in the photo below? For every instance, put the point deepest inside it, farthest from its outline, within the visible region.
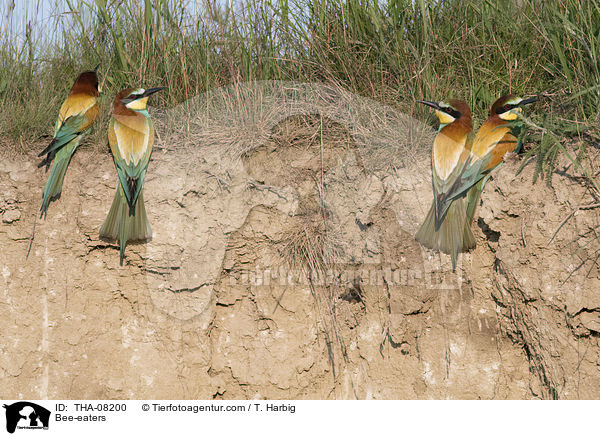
(497, 136)
(446, 228)
(77, 114)
(131, 137)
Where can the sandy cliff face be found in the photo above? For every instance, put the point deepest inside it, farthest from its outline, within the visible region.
(542, 263)
(222, 302)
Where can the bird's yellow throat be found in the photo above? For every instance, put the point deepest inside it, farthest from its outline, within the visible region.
(138, 105)
(510, 115)
(444, 117)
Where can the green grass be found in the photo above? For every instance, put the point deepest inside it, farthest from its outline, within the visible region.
(392, 51)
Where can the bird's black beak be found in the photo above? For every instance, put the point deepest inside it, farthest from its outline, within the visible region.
(430, 104)
(151, 91)
(96, 69)
(529, 100)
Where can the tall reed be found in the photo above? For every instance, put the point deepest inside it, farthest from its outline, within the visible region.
(395, 51)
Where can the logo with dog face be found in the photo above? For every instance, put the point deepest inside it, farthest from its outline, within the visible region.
(26, 415)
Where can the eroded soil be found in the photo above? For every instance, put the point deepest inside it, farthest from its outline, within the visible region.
(291, 272)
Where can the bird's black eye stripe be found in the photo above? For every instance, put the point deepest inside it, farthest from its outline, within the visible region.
(452, 112)
(505, 108)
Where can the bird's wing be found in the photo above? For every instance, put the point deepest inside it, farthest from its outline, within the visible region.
(68, 131)
(76, 115)
(131, 139)
(74, 105)
(448, 165)
(472, 173)
(489, 148)
(447, 168)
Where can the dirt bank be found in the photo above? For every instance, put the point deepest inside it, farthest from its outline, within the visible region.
(290, 271)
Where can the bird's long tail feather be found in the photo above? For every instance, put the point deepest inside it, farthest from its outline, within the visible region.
(454, 235)
(53, 187)
(119, 224)
(473, 197)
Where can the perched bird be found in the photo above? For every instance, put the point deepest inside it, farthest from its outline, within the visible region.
(131, 137)
(497, 136)
(77, 114)
(446, 228)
